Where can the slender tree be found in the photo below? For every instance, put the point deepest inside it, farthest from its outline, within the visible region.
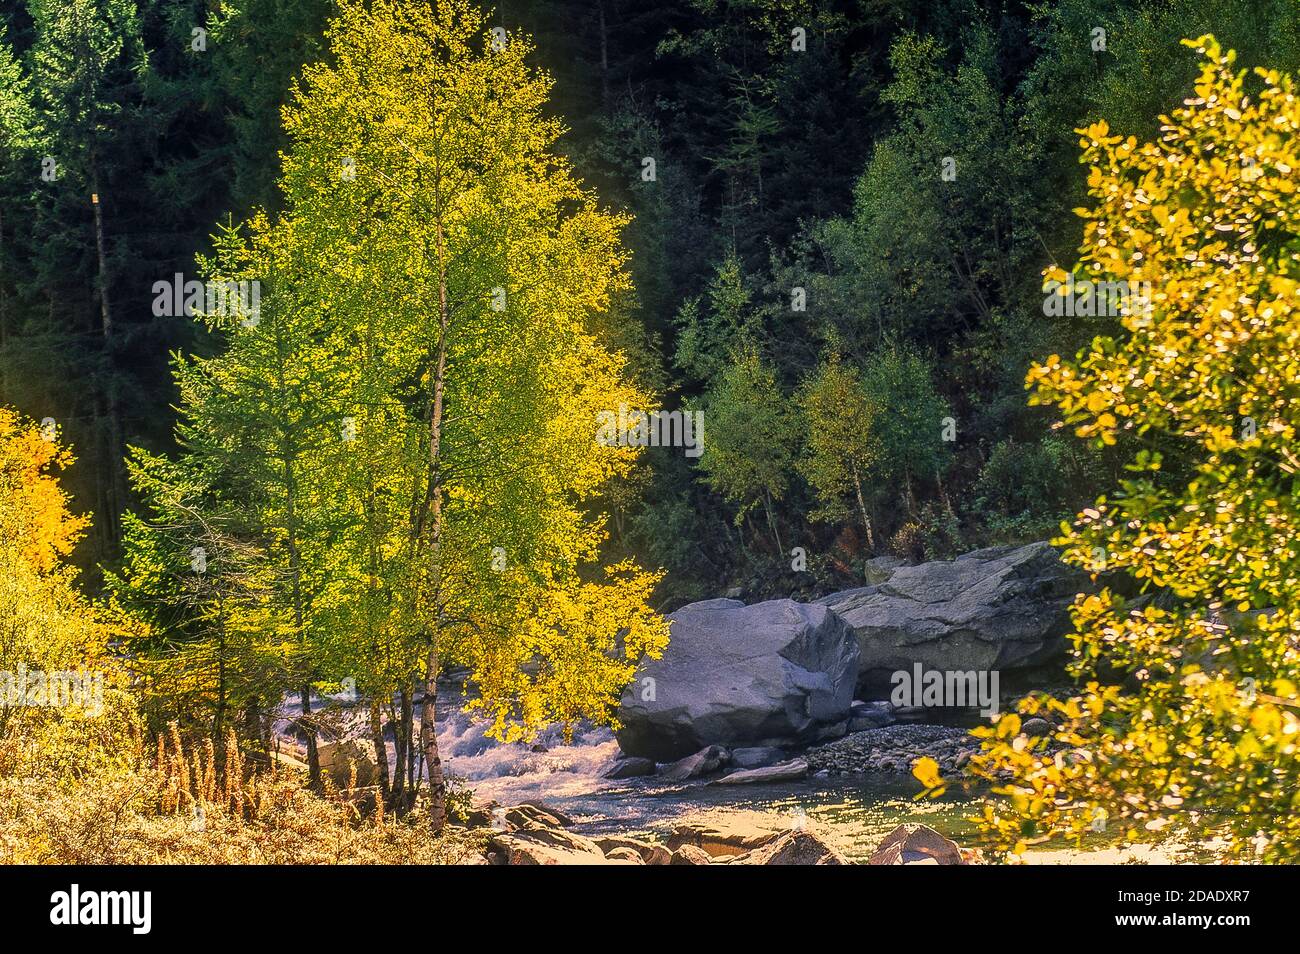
(841, 451)
(422, 170)
(749, 454)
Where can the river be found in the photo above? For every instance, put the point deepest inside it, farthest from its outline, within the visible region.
(854, 814)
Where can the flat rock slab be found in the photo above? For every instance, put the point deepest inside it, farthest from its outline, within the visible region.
(783, 772)
(721, 837)
(757, 756)
(631, 767)
(546, 847)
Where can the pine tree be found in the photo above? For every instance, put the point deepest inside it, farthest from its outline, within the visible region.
(193, 596)
(83, 68)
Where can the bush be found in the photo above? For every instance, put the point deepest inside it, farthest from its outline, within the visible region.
(1190, 707)
(1025, 490)
(934, 535)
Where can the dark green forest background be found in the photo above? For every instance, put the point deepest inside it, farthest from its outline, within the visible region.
(776, 169)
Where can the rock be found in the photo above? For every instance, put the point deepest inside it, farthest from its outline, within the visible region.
(784, 772)
(715, 604)
(337, 760)
(870, 715)
(650, 853)
(545, 846)
(794, 848)
(550, 812)
(756, 756)
(1036, 728)
(881, 568)
(291, 760)
(916, 844)
(530, 816)
(629, 855)
(630, 767)
(738, 675)
(703, 762)
(608, 843)
(720, 837)
(996, 609)
(481, 815)
(910, 714)
(690, 855)
(891, 749)
(837, 730)
(734, 593)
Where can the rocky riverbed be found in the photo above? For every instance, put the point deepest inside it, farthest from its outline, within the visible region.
(893, 749)
(536, 834)
(768, 716)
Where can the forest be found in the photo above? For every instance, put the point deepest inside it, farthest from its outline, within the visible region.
(309, 311)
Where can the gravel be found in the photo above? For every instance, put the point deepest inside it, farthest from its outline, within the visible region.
(893, 748)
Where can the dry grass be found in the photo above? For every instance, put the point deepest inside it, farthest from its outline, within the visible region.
(177, 811)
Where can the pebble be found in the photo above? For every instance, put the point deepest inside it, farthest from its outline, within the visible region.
(892, 749)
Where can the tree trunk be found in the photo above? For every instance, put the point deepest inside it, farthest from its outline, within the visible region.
(313, 756)
(381, 750)
(105, 311)
(604, 58)
(430, 526)
(862, 509)
(400, 738)
(408, 723)
(4, 318)
(943, 493)
(253, 725)
(219, 719)
(116, 491)
(288, 459)
(429, 738)
(767, 505)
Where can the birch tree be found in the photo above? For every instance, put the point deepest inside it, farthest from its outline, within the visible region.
(423, 171)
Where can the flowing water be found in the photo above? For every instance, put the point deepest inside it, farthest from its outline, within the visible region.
(852, 813)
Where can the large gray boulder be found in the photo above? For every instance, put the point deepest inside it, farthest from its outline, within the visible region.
(732, 674)
(1001, 609)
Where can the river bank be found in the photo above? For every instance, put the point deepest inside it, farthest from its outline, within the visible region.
(772, 715)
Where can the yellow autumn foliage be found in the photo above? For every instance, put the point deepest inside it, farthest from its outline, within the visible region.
(1189, 714)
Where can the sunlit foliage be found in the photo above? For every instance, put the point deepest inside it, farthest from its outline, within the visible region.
(1190, 711)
